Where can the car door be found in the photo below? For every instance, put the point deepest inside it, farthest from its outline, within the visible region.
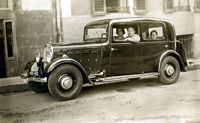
(125, 58)
(152, 47)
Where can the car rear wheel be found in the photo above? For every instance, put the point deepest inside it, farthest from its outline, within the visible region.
(65, 82)
(169, 70)
(38, 87)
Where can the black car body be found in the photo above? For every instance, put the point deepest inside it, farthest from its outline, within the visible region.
(62, 69)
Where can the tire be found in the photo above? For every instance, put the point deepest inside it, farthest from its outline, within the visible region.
(169, 71)
(73, 78)
(38, 87)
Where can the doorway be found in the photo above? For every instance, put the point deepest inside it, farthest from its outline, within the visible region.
(2, 56)
(8, 58)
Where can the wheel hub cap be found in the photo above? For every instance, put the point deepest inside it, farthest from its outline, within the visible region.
(66, 82)
(169, 70)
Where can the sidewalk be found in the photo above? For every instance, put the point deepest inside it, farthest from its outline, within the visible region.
(13, 84)
(194, 63)
(16, 84)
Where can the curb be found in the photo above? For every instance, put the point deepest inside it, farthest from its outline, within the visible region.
(14, 88)
(193, 67)
(12, 85)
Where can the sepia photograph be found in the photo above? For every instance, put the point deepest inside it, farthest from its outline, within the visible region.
(99, 61)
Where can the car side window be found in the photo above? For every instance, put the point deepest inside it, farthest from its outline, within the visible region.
(125, 33)
(152, 31)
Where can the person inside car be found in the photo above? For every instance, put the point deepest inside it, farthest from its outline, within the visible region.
(132, 37)
(145, 35)
(154, 34)
(120, 32)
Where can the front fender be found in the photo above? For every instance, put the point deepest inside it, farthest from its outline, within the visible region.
(170, 53)
(29, 65)
(60, 61)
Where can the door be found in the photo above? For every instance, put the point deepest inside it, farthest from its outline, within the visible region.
(2, 54)
(9, 49)
(154, 42)
(125, 58)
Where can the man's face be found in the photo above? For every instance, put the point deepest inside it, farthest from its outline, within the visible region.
(131, 31)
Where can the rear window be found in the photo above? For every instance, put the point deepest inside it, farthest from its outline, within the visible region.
(151, 31)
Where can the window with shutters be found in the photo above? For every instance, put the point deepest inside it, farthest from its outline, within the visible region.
(176, 5)
(140, 6)
(101, 7)
(184, 5)
(181, 5)
(5, 4)
(169, 6)
(197, 6)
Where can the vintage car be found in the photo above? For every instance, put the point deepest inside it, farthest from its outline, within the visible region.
(63, 69)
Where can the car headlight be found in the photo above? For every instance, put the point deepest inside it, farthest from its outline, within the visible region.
(48, 53)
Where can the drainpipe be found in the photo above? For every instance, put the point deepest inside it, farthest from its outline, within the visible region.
(59, 29)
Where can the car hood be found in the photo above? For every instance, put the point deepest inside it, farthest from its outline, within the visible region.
(72, 48)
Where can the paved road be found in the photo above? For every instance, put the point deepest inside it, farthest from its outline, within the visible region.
(134, 101)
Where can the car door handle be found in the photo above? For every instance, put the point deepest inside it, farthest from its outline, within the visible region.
(114, 49)
(166, 46)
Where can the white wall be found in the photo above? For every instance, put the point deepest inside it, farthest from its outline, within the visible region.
(197, 35)
(31, 5)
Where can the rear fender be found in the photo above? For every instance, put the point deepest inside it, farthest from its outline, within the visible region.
(175, 55)
(54, 64)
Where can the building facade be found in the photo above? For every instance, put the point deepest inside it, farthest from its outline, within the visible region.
(25, 26)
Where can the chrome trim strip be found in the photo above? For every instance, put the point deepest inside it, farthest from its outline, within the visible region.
(68, 47)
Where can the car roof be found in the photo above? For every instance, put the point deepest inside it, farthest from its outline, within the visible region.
(113, 20)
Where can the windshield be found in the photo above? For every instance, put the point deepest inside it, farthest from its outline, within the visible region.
(96, 33)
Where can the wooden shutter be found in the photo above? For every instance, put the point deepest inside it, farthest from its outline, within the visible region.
(197, 5)
(140, 6)
(169, 6)
(99, 7)
(4, 4)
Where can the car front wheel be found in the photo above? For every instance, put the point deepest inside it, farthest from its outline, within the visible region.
(169, 70)
(65, 82)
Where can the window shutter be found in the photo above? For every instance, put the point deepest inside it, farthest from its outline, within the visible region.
(4, 4)
(169, 6)
(197, 5)
(140, 6)
(99, 7)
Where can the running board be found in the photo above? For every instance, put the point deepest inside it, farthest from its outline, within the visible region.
(116, 79)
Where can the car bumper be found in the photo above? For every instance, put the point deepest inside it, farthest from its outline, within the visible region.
(31, 74)
(35, 79)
